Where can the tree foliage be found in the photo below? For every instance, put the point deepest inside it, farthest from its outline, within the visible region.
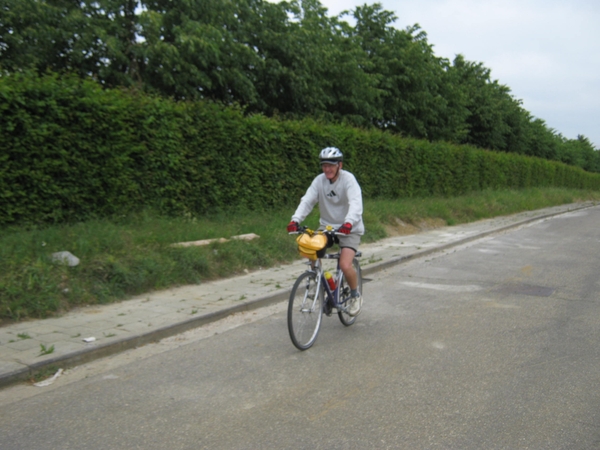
(288, 59)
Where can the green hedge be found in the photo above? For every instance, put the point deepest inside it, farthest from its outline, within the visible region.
(71, 150)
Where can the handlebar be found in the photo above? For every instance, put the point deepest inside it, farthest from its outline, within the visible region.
(305, 229)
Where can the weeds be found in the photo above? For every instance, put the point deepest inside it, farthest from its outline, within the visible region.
(131, 255)
(43, 373)
(46, 350)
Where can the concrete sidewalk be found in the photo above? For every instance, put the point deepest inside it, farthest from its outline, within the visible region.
(96, 331)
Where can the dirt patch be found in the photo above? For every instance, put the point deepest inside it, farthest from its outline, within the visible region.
(401, 228)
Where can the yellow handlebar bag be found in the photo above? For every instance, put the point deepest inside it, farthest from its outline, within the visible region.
(312, 247)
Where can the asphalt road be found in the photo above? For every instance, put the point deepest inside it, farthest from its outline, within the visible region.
(493, 345)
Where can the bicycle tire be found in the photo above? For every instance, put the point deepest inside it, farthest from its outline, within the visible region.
(344, 317)
(305, 313)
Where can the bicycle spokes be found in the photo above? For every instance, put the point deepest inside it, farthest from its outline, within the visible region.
(305, 311)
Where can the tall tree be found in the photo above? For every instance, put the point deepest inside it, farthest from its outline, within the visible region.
(39, 34)
(488, 103)
(192, 51)
(328, 67)
(115, 33)
(415, 99)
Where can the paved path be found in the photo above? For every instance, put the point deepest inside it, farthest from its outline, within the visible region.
(151, 317)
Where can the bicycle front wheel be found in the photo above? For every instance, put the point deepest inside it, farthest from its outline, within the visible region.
(346, 318)
(305, 311)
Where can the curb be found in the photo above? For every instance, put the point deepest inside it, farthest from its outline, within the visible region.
(101, 351)
(87, 355)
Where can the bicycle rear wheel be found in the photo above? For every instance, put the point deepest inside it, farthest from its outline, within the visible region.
(346, 318)
(305, 311)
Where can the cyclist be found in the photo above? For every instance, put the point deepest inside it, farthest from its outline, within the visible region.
(340, 205)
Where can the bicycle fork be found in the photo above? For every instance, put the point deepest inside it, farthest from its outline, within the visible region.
(310, 296)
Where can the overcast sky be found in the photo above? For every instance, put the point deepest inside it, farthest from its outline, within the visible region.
(546, 51)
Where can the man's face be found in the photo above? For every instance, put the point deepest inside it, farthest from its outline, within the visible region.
(331, 171)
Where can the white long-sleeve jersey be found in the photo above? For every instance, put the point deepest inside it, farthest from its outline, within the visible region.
(339, 202)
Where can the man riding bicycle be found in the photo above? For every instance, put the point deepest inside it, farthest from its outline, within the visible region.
(340, 205)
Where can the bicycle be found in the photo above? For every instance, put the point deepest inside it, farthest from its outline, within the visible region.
(312, 296)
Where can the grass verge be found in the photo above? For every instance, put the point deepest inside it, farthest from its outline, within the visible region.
(130, 255)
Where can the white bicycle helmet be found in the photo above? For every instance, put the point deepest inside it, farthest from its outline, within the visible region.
(331, 155)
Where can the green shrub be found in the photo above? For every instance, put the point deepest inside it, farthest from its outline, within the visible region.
(71, 150)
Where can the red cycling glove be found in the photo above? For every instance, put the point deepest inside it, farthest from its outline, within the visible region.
(345, 229)
(292, 227)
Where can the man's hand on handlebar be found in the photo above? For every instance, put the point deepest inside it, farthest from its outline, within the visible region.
(292, 227)
(346, 228)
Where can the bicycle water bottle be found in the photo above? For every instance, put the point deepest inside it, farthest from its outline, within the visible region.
(330, 281)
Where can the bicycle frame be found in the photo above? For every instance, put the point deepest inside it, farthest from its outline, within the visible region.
(334, 297)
